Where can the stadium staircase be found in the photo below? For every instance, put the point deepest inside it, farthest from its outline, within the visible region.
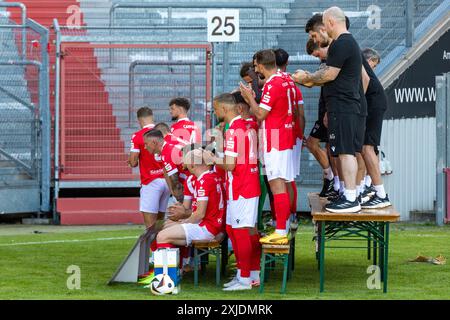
(93, 143)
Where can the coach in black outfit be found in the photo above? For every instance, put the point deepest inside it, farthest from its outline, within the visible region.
(341, 79)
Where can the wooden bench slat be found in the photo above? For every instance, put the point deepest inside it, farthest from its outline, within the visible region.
(319, 213)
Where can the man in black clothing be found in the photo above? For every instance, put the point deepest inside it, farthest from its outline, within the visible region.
(341, 79)
(376, 106)
(319, 133)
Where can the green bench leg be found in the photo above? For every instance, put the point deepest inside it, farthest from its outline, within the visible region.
(385, 260)
(322, 256)
(195, 267)
(262, 274)
(285, 272)
(369, 249)
(217, 267)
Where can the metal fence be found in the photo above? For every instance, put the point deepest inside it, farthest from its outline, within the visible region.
(24, 106)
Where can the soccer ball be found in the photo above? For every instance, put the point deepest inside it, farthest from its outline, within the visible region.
(162, 284)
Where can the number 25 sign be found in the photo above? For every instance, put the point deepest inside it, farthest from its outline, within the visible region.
(223, 25)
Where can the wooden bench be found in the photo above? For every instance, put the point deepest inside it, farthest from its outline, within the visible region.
(371, 225)
(271, 253)
(202, 249)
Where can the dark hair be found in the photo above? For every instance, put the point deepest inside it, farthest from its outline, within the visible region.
(371, 54)
(163, 127)
(281, 57)
(347, 22)
(314, 22)
(154, 134)
(245, 68)
(266, 58)
(181, 102)
(311, 46)
(144, 112)
(225, 98)
(238, 97)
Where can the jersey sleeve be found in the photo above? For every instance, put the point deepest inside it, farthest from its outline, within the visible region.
(203, 190)
(135, 145)
(270, 95)
(231, 143)
(196, 135)
(299, 96)
(169, 165)
(188, 190)
(337, 54)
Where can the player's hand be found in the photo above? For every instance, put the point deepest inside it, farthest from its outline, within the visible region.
(247, 92)
(209, 157)
(176, 212)
(325, 120)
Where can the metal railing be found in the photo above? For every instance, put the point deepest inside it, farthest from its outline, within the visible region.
(23, 15)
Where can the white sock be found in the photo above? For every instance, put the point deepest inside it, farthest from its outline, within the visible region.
(246, 281)
(328, 173)
(350, 195)
(281, 232)
(368, 181)
(342, 187)
(337, 183)
(254, 275)
(362, 186)
(380, 191)
(358, 191)
(238, 273)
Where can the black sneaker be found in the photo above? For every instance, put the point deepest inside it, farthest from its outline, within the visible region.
(327, 188)
(376, 202)
(335, 195)
(368, 192)
(342, 205)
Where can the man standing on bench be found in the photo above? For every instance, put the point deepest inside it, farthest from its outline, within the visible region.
(342, 80)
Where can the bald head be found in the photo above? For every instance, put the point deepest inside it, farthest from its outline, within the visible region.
(334, 21)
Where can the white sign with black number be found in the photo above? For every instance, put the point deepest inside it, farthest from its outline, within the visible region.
(223, 25)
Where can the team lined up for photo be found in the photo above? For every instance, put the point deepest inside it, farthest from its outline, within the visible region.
(255, 150)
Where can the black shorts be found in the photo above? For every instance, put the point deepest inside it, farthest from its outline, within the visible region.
(346, 133)
(374, 123)
(319, 131)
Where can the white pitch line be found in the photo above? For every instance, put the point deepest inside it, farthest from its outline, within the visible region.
(64, 241)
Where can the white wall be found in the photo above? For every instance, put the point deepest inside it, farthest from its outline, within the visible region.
(410, 146)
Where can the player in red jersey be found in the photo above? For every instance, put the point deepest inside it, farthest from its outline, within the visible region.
(243, 191)
(275, 112)
(207, 221)
(282, 58)
(171, 157)
(183, 128)
(154, 193)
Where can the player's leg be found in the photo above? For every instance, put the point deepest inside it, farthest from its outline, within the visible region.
(173, 236)
(371, 141)
(361, 173)
(149, 203)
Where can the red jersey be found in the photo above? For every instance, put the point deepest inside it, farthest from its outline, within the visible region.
(208, 187)
(278, 98)
(189, 191)
(241, 143)
(149, 166)
(297, 103)
(171, 156)
(186, 130)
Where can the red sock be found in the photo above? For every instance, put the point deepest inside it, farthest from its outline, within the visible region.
(230, 233)
(294, 200)
(256, 252)
(184, 253)
(153, 245)
(244, 243)
(165, 245)
(282, 209)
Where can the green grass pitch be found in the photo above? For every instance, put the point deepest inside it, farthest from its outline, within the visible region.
(33, 266)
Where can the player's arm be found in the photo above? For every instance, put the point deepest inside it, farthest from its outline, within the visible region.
(301, 117)
(318, 78)
(133, 159)
(176, 187)
(200, 213)
(365, 79)
(255, 109)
